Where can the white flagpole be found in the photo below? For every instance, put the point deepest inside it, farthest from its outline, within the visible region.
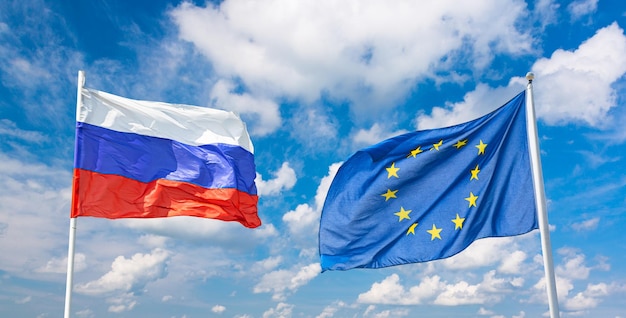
(70, 249)
(540, 198)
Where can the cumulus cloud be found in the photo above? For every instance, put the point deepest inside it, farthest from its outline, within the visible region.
(193, 228)
(573, 265)
(512, 264)
(390, 291)
(218, 309)
(433, 290)
(573, 268)
(59, 266)
(586, 225)
(269, 263)
(129, 274)
(41, 236)
(570, 86)
(490, 290)
(305, 217)
(366, 52)
(263, 110)
(476, 103)
(282, 282)
(488, 251)
(124, 302)
(580, 8)
(126, 278)
(576, 86)
(282, 310)
(374, 135)
(285, 179)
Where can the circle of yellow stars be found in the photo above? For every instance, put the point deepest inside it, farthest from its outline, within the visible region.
(404, 214)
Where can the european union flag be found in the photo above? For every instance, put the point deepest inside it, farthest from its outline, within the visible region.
(429, 194)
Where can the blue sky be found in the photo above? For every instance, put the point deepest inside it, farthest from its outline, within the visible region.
(314, 81)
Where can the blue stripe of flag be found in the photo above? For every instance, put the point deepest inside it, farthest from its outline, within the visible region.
(145, 159)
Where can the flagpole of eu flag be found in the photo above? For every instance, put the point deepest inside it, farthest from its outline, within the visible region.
(429, 194)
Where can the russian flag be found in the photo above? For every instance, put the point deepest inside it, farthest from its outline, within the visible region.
(141, 159)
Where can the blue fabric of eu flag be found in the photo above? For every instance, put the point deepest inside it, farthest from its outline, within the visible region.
(429, 194)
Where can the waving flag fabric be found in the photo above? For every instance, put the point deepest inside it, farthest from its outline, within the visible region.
(428, 195)
(140, 159)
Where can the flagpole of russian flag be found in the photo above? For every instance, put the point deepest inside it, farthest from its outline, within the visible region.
(72, 239)
(540, 198)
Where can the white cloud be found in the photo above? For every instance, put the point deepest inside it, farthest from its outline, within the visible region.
(575, 86)
(490, 290)
(546, 12)
(512, 264)
(432, 290)
(27, 190)
(125, 302)
(269, 263)
(282, 310)
(130, 274)
(265, 115)
(586, 225)
(484, 252)
(314, 128)
(193, 228)
(573, 266)
(570, 86)
(304, 219)
(521, 314)
(59, 266)
(481, 101)
(373, 135)
(281, 282)
(390, 291)
(367, 52)
(285, 179)
(24, 300)
(152, 241)
(588, 298)
(580, 8)
(218, 309)
(597, 159)
(330, 310)
(87, 313)
(10, 129)
(517, 282)
(572, 269)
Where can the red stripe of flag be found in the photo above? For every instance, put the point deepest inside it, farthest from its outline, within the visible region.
(113, 197)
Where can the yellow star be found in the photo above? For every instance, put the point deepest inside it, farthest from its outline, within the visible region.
(475, 173)
(415, 152)
(458, 222)
(403, 214)
(411, 229)
(437, 145)
(390, 194)
(392, 171)
(481, 148)
(472, 200)
(460, 144)
(434, 233)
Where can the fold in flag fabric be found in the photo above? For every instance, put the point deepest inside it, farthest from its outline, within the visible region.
(141, 159)
(429, 194)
